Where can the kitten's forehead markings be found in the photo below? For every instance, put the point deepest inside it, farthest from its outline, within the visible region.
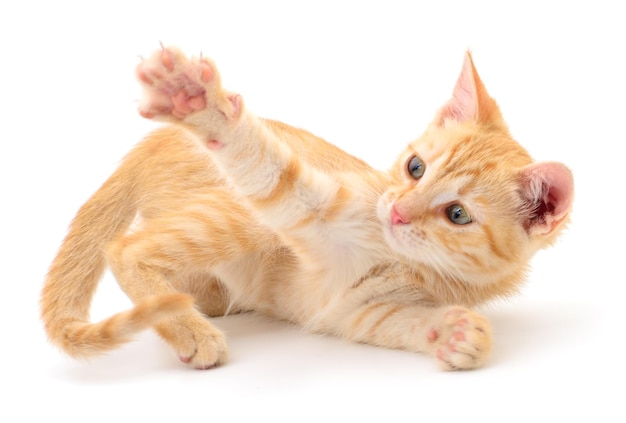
(428, 155)
(443, 199)
(430, 146)
(452, 194)
(433, 164)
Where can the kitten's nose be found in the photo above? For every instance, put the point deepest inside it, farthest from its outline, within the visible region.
(396, 218)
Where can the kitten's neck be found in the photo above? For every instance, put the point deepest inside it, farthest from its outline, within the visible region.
(444, 289)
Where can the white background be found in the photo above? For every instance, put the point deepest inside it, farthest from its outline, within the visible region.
(367, 76)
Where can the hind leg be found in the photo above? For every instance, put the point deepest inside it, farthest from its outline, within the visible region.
(167, 255)
(141, 272)
(210, 295)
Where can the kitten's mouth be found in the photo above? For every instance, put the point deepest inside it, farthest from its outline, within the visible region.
(392, 220)
(390, 232)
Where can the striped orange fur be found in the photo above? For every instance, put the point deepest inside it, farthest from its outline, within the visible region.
(222, 211)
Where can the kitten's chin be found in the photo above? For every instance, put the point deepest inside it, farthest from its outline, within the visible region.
(395, 243)
(398, 247)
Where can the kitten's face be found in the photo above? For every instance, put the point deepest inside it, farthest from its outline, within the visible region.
(466, 199)
(455, 202)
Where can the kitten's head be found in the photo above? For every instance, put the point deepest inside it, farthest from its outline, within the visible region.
(467, 200)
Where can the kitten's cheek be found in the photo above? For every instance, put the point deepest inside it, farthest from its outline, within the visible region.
(383, 210)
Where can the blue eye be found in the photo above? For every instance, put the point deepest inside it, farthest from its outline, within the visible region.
(416, 167)
(458, 215)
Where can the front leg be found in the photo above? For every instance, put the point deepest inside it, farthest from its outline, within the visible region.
(282, 189)
(458, 338)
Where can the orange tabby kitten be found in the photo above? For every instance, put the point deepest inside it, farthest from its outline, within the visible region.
(223, 211)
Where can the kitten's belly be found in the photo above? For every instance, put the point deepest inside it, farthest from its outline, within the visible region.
(261, 281)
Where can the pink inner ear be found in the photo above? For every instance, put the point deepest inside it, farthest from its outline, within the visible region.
(463, 105)
(550, 191)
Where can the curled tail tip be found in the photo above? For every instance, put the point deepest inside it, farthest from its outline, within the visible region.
(161, 306)
(179, 300)
(82, 339)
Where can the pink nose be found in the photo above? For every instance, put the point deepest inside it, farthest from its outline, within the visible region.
(396, 218)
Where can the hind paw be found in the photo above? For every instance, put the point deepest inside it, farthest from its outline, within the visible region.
(196, 342)
(206, 354)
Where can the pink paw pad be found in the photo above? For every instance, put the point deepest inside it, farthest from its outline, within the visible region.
(433, 335)
(441, 354)
(458, 336)
(167, 59)
(214, 145)
(206, 72)
(205, 367)
(143, 77)
(174, 85)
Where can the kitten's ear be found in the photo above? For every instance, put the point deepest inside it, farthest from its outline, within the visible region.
(470, 100)
(548, 189)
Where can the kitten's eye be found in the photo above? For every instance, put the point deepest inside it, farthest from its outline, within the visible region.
(416, 167)
(458, 215)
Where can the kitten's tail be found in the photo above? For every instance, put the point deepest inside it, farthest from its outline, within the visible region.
(78, 267)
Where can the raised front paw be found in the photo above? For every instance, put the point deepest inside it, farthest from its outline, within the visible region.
(177, 87)
(463, 339)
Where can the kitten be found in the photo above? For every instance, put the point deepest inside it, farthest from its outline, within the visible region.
(231, 212)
